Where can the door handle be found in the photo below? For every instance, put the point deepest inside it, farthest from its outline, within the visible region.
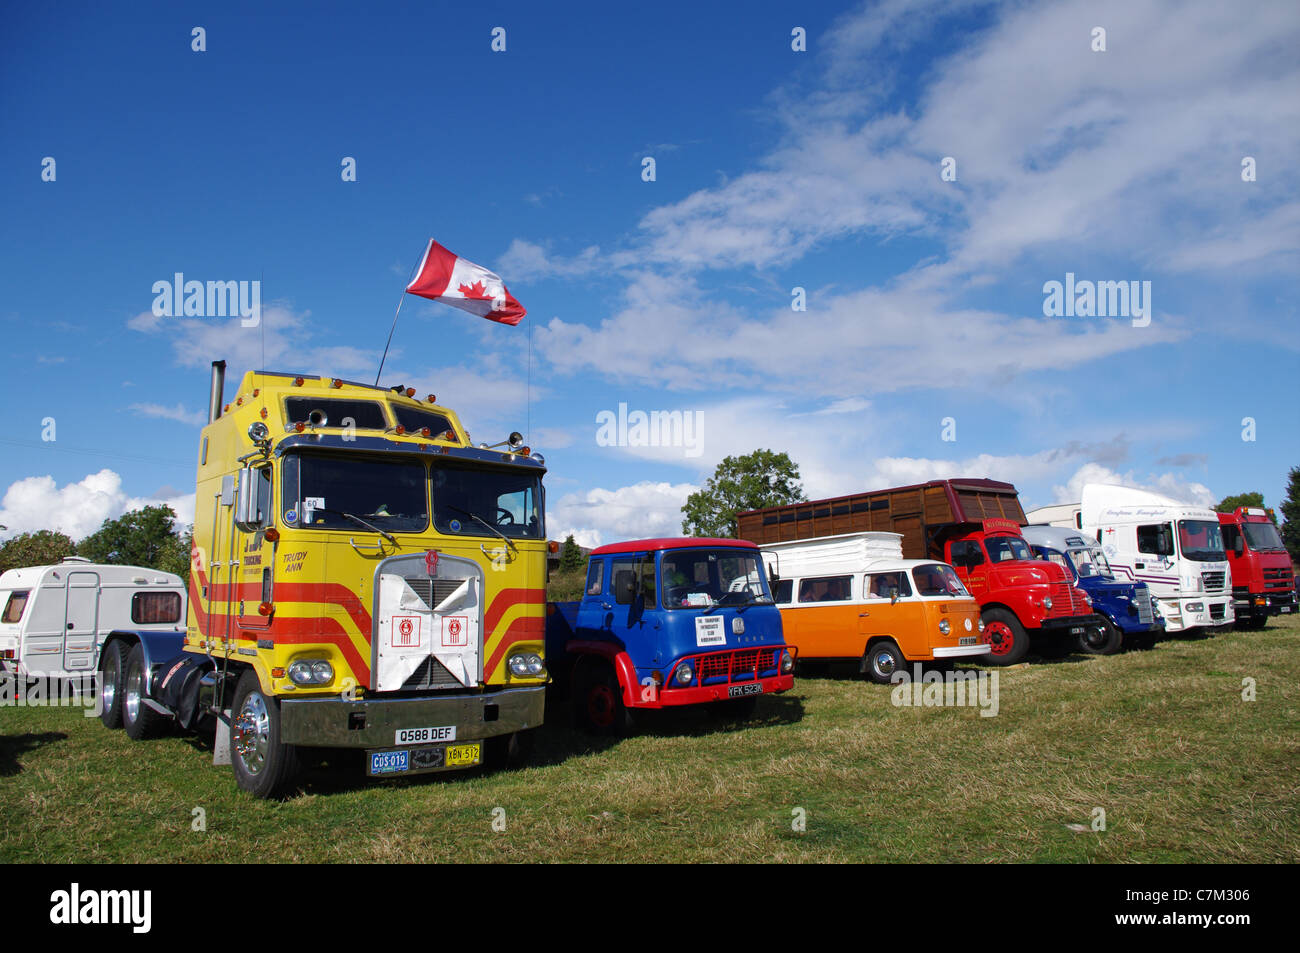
(69, 625)
(863, 615)
(606, 605)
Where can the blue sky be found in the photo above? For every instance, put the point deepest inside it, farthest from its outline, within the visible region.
(775, 169)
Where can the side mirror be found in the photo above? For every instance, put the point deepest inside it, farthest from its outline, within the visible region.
(893, 595)
(248, 515)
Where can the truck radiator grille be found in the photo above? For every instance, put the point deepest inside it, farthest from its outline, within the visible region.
(1067, 600)
(1213, 581)
(1144, 609)
(737, 665)
(433, 591)
(1217, 612)
(430, 674)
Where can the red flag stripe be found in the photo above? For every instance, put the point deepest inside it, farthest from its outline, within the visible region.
(435, 271)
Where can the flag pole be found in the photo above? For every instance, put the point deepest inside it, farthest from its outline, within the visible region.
(409, 279)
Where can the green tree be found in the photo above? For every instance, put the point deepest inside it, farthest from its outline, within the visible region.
(42, 548)
(1230, 503)
(1291, 512)
(571, 557)
(144, 537)
(750, 482)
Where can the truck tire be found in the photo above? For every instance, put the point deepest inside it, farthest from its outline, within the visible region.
(508, 751)
(264, 766)
(1104, 641)
(139, 720)
(598, 699)
(882, 660)
(112, 662)
(1008, 643)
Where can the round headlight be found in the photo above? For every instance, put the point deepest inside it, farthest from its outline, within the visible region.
(684, 674)
(535, 666)
(945, 626)
(518, 665)
(300, 673)
(787, 663)
(322, 672)
(1047, 602)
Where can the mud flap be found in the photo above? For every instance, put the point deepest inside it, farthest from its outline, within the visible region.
(221, 743)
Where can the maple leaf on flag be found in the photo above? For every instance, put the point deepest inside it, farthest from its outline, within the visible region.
(476, 290)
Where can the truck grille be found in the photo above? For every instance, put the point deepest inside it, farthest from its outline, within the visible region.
(430, 674)
(1217, 611)
(1144, 608)
(1067, 601)
(1278, 578)
(1213, 581)
(433, 591)
(737, 665)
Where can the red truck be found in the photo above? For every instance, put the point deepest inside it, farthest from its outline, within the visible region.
(973, 525)
(1263, 582)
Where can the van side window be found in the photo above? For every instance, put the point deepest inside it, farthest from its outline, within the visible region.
(825, 589)
(148, 608)
(595, 577)
(785, 591)
(1156, 539)
(15, 606)
(881, 585)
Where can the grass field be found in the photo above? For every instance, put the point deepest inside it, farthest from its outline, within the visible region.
(1184, 768)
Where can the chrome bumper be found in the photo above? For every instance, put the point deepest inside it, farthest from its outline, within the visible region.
(373, 723)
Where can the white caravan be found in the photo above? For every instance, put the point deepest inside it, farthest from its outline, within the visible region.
(55, 618)
(1175, 548)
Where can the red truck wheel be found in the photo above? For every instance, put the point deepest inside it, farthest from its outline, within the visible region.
(598, 700)
(1008, 643)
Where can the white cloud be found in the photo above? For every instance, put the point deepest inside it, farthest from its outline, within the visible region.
(79, 509)
(641, 511)
(525, 260)
(1172, 485)
(195, 418)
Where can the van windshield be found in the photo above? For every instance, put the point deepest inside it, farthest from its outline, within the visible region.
(937, 579)
(1200, 540)
(700, 578)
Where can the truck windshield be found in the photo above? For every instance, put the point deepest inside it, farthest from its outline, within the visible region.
(1263, 537)
(508, 501)
(701, 578)
(1200, 540)
(1004, 548)
(331, 491)
(1090, 562)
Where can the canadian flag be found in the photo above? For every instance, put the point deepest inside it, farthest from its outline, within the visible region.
(462, 284)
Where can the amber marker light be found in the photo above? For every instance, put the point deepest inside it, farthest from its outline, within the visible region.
(265, 608)
(273, 534)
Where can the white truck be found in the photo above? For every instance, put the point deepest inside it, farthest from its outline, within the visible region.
(55, 618)
(1175, 548)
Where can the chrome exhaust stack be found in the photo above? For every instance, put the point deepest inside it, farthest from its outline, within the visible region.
(218, 390)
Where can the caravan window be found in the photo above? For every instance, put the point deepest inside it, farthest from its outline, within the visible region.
(150, 608)
(15, 606)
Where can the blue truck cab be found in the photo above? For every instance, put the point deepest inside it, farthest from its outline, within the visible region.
(1129, 609)
(668, 622)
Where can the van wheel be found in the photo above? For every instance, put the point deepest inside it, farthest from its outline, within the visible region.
(882, 660)
(111, 663)
(1101, 641)
(264, 766)
(139, 720)
(598, 700)
(1008, 643)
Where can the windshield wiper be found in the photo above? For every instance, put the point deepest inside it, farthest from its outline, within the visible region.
(360, 522)
(490, 527)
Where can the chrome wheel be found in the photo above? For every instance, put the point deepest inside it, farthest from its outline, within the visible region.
(108, 681)
(251, 735)
(131, 701)
(884, 664)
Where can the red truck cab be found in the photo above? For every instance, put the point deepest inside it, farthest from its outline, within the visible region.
(1263, 582)
(1020, 596)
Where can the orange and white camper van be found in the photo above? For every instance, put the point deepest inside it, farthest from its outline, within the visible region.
(856, 597)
